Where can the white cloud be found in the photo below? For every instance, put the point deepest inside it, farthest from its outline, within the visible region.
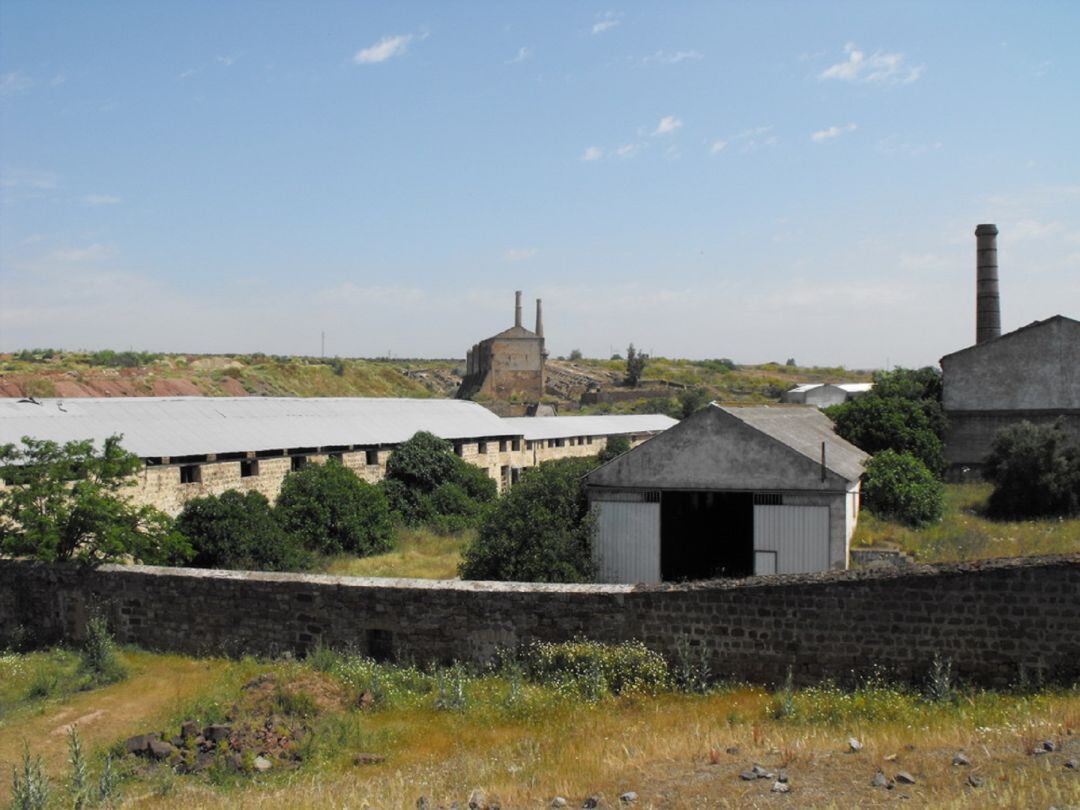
(592, 153)
(605, 22)
(385, 48)
(28, 178)
(673, 58)
(522, 54)
(878, 67)
(187, 74)
(667, 125)
(750, 140)
(1033, 229)
(627, 150)
(14, 82)
(520, 254)
(831, 132)
(101, 199)
(227, 61)
(718, 146)
(90, 253)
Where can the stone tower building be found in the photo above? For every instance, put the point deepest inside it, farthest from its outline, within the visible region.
(509, 364)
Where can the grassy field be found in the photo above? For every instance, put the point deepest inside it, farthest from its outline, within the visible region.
(445, 734)
(420, 554)
(965, 533)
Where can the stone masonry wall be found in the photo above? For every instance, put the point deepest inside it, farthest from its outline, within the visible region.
(998, 621)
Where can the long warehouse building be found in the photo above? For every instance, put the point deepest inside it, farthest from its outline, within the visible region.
(197, 446)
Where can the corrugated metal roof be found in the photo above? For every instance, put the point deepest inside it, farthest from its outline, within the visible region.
(855, 388)
(188, 426)
(555, 427)
(803, 387)
(803, 429)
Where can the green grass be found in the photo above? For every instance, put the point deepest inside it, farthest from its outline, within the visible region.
(965, 533)
(420, 554)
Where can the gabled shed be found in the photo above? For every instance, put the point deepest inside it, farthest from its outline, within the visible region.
(728, 492)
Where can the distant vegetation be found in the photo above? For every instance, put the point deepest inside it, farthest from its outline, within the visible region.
(1035, 470)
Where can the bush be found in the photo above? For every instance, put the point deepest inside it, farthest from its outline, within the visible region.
(620, 668)
(575, 354)
(330, 510)
(899, 487)
(616, 446)
(635, 365)
(238, 530)
(99, 657)
(875, 423)
(540, 531)
(427, 483)
(1035, 470)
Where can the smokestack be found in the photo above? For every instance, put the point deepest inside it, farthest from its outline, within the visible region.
(539, 319)
(987, 298)
(517, 308)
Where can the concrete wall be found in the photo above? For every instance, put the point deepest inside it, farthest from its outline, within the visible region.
(994, 619)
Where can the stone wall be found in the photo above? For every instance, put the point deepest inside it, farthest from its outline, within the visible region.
(996, 620)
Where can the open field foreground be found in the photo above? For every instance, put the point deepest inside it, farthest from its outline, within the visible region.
(331, 720)
(965, 533)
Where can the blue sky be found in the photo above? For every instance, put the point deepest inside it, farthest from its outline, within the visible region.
(747, 180)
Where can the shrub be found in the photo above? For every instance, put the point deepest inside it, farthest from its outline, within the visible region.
(575, 354)
(99, 658)
(540, 531)
(330, 510)
(616, 446)
(426, 482)
(875, 423)
(899, 487)
(619, 668)
(1035, 470)
(635, 365)
(30, 789)
(238, 530)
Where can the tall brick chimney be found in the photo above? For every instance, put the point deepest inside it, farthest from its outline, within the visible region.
(517, 308)
(987, 296)
(539, 319)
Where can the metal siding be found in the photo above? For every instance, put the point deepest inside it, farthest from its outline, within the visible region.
(627, 546)
(799, 535)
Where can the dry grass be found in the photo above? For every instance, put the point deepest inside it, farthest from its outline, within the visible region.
(420, 554)
(965, 533)
(526, 743)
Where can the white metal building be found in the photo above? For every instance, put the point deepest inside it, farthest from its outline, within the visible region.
(728, 492)
(822, 395)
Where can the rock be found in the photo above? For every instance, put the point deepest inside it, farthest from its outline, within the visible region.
(761, 773)
(262, 764)
(139, 744)
(189, 729)
(423, 804)
(203, 761)
(478, 800)
(592, 801)
(905, 778)
(159, 749)
(1038, 751)
(781, 787)
(558, 801)
(369, 759)
(1072, 764)
(975, 780)
(734, 749)
(1048, 745)
(748, 776)
(854, 745)
(782, 777)
(879, 780)
(960, 758)
(629, 797)
(217, 732)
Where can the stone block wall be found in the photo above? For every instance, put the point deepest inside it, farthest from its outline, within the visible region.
(998, 621)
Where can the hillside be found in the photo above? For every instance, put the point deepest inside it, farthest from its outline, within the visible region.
(52, 373)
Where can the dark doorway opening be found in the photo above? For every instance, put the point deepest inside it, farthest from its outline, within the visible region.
(704, 535)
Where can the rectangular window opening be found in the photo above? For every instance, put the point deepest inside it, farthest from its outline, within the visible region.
(297, 463)
(371, 457)
(249, 468)
(190, 474)
(517, 445)
(503, 445)
(338, 457)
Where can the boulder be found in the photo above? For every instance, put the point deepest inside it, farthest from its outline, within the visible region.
(262, 764)
(905, 778)
(139, 744)
(159, 749)
(961, 759)
(854, 745)
(629, 797)
(217, 732)
(189, 729)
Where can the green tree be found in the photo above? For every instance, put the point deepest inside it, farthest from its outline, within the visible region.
(238, 530)
(426, 482)
(635, 365)
(330, 510)
(875, 423)
(67, 502)
(689, 402)
(575, 354)
(616, 446)
(899, 487)
(540, 531)
(1035, 470)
